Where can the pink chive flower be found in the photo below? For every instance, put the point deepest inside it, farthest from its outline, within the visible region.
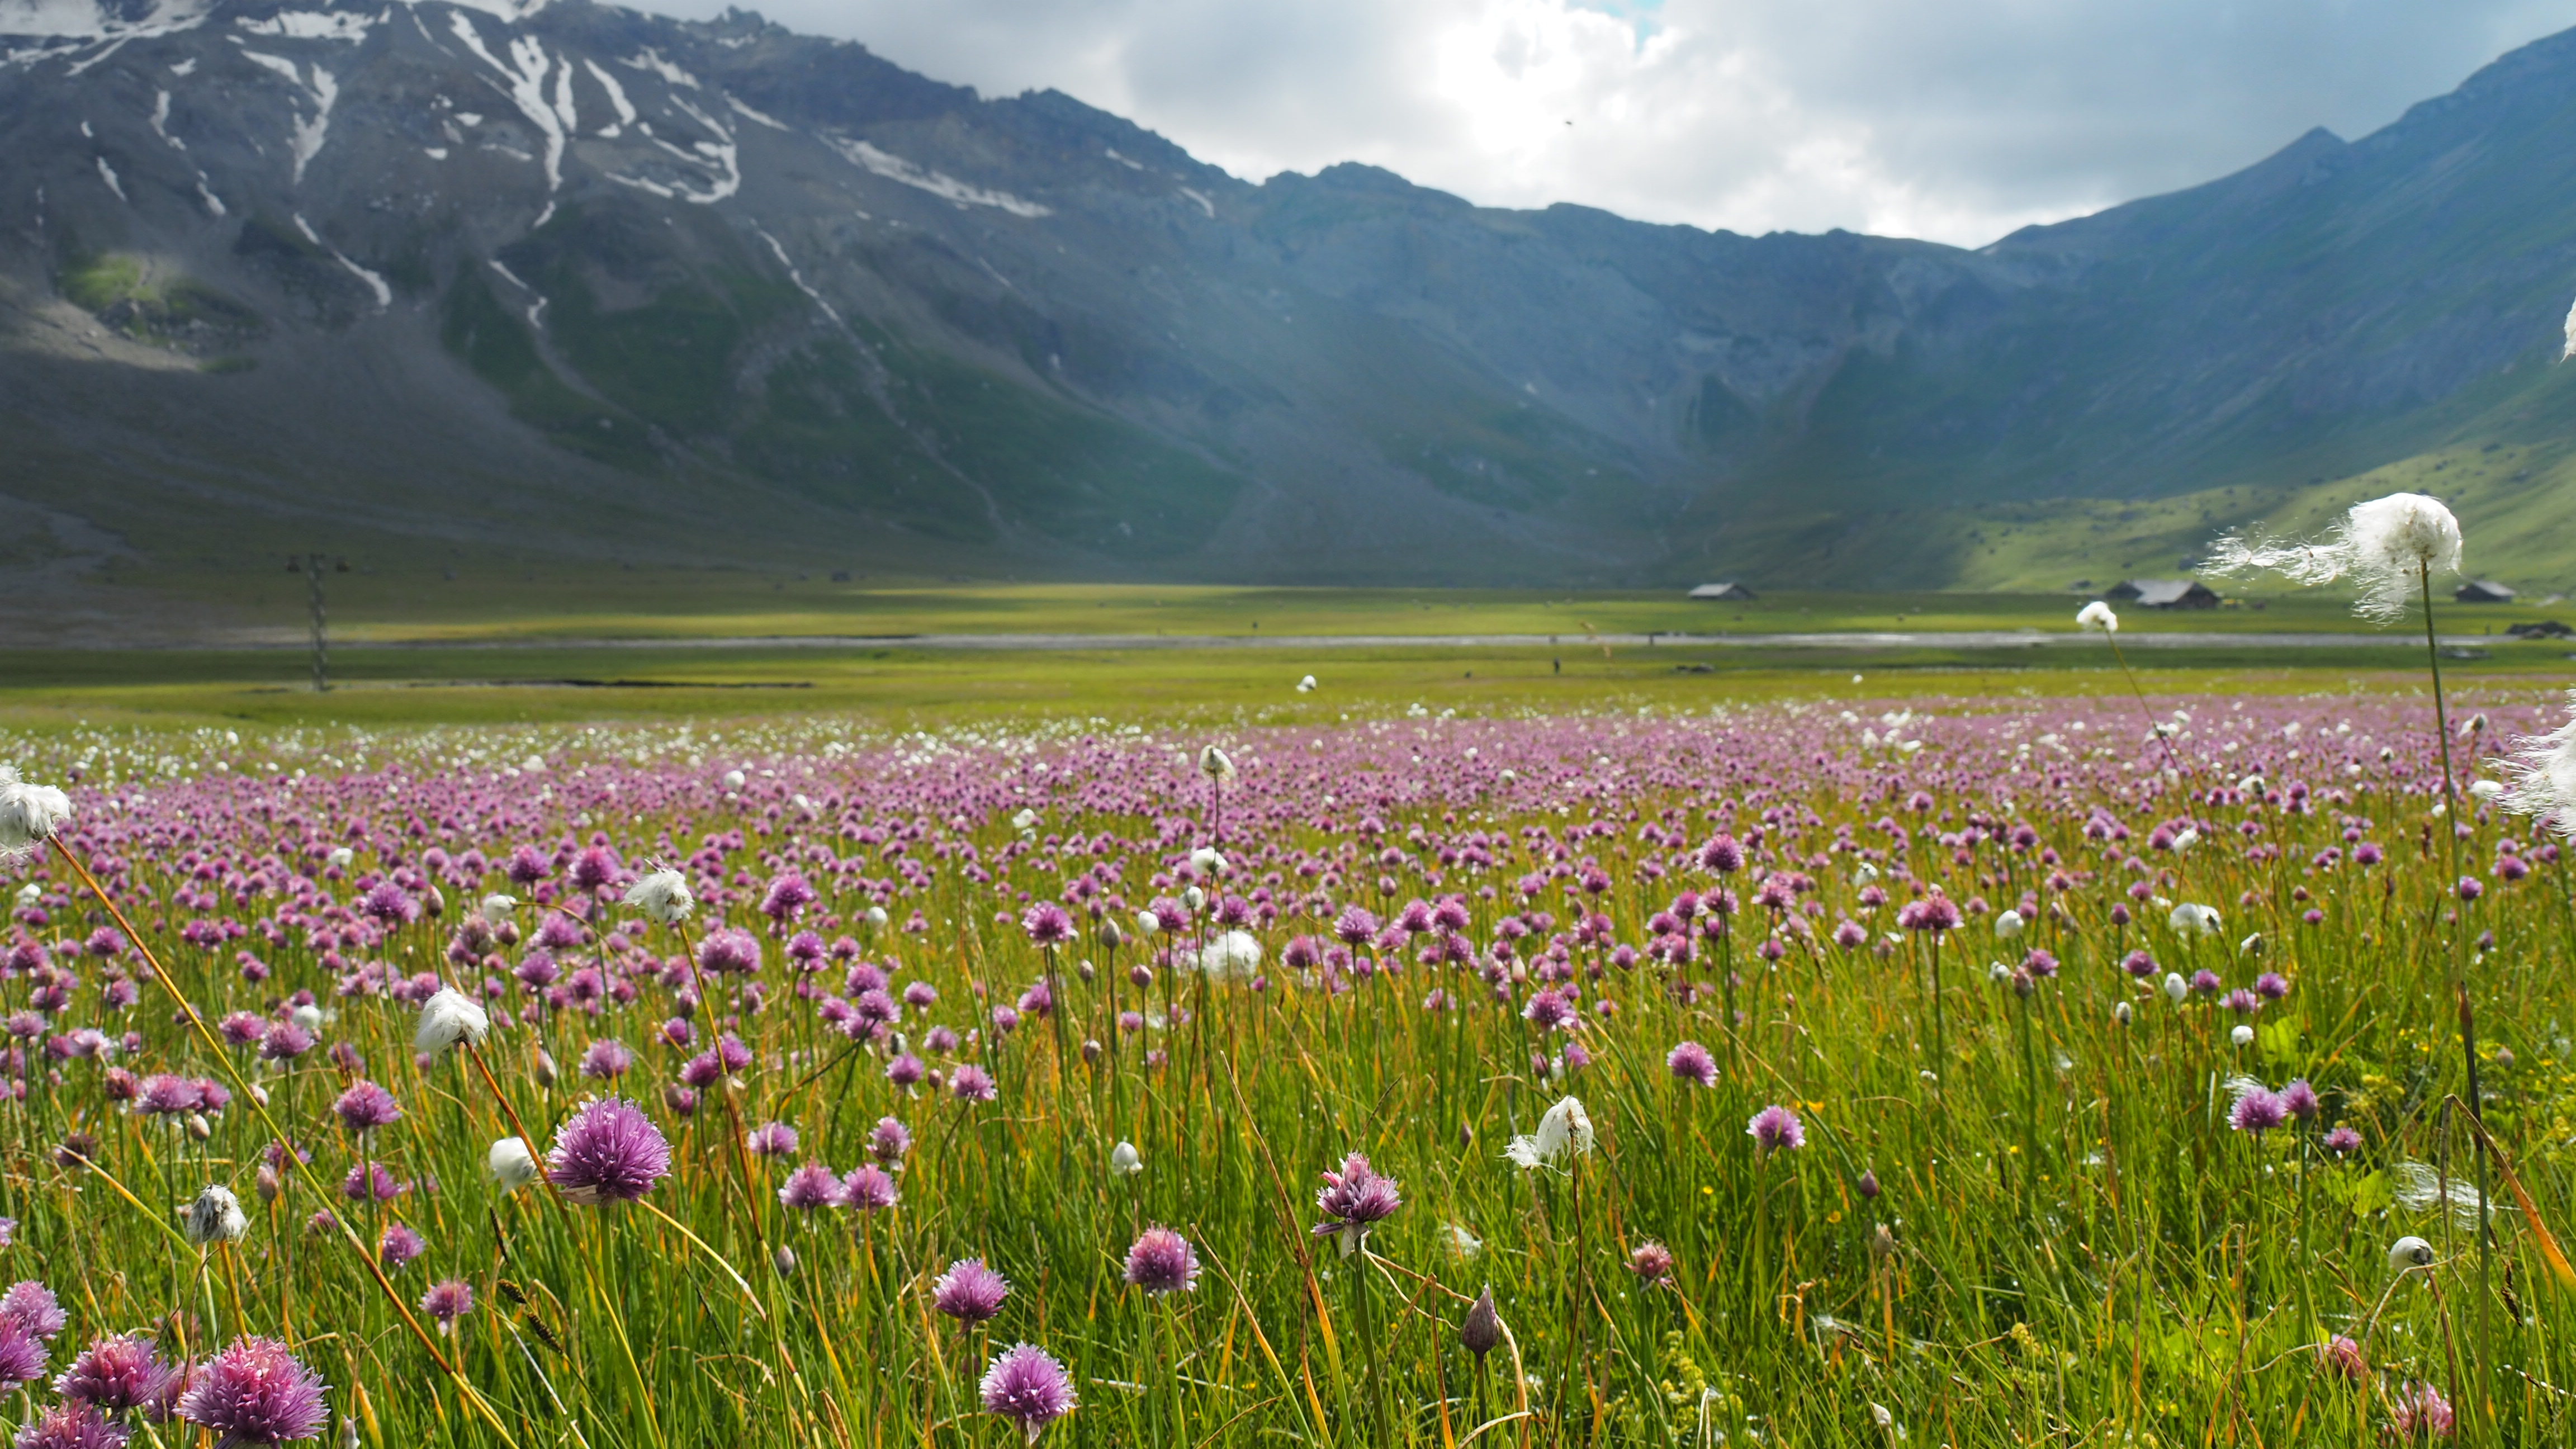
(1692, 1063)
(809, 1187)
(867, 1190)
(72, 1426)
(608, 1152)
(366, 1107)
(398, 1247)
(32, 1306)
(1776, 1127)
(1047, 924)
(254, 1392)
(1354, 1200)
(2418, 1411)
(1028, 1387)
(447, 1301)
(2258, 1112)
(120, 1373)
(969, 1292)
(607, 1060)
(1162, 1261)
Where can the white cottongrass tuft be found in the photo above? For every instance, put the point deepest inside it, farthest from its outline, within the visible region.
(2098, 617)
(449, 1016)
(2409, 1252)
(216, 1217)
(1232, 953)
(1306, 685)
(2009, 925)
(2188, 919)
(2385, 546)
(2421, 1189)
(1216, 764)
(1208, 860)
(511, 1164)
(663, 895)
(497, 907)
(29, 814)
(1462, 1242)
(1566, 1131)
(1125, 1160)
(2543, 770)
(2571, 335)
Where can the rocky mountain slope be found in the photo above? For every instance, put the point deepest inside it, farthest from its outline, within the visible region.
(573, 283)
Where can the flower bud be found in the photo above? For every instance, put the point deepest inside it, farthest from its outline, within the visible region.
(1482, 1329)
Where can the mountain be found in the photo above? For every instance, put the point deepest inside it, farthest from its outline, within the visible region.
(573, 284)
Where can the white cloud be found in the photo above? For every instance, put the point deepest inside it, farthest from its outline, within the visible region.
(1957, 121)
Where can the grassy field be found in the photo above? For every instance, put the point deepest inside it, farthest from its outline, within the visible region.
(393, 603)
(2011, 1190)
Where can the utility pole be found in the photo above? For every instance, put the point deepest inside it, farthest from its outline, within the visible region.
(312, 566)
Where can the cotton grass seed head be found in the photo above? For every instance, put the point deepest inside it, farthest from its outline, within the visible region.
(29, 814)
(663, 896)
(2387, 547)
(216, 1217)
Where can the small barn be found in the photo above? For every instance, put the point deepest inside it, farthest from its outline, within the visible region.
(1726, 593)
(2164, 593)
(2483, 591)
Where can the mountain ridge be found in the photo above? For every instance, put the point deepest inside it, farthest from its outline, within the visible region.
(578, 282)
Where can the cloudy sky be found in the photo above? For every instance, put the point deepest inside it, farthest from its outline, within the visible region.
(1951, 119)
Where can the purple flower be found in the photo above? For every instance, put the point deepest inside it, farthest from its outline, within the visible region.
(771, 1139)
(729, 950)
(2300, 1099)
(1692, 1063)
(72, 1426)
(867, 1190)
(390, 904)
(609, 1152)
(1162, 1261)
(809, 1187)
(1354, 926)
(972, 1084)
(254, 1392)
(1047, 924)
(888, 1141)
(969, 1292)
(22, 1355)
(32, 1306)
(115, 1374)
(284, 1041)
(366, 1107)
(398, 1247)
(1355, 1199)
(1652, 1262)
(2418, 1411)
(607, 1060)
(370, 1180)
(2258, 1112)
(1776, 1127)
(1932, 913)
(788, 895)
(447, 1301)
(905, 1070)
(1029, 1387)
(1721, 854)
(2343, 1142)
